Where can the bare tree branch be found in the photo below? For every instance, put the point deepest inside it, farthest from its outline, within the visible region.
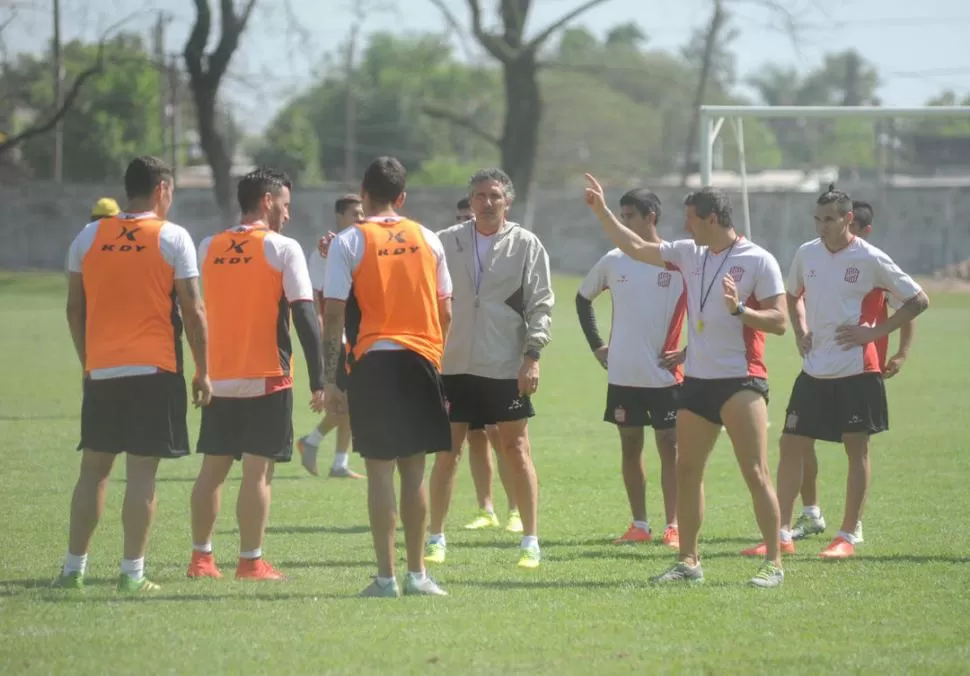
(461, 121)
(537, 42)
(456, 26)
(495, 45)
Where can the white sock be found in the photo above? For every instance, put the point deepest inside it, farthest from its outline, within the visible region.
(813, 511)
(642, 525)
(384, 581)
(340, 460)
(848, 537)
(313, 438)
(530, 542)
(204, 549)
(75, 564)
(437, 539)
(785, 535)
(417, 577)
(133, 568)
(254, 554)
(489, 508)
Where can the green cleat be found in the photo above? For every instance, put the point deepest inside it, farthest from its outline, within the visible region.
(73, 580)
(681, 572)
(129, 585)
(435, 553)
(379, 591)
(768, 576)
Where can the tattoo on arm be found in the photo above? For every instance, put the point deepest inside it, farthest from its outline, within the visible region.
(333, 328)
(915, 306)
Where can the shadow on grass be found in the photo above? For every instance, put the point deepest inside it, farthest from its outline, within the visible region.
(33, 418)
(889, 558)
(304, 530)
(231, 479)
(188, 598)
(640, 584)
(283, 565)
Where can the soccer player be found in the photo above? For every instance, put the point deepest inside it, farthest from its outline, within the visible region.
(642, 359)
(126, 273)
(479, 437)
(349, 212)
(503, 308)
(811, 520)
(840, 394)
(388, 276)
(253, 278)
(735, 294)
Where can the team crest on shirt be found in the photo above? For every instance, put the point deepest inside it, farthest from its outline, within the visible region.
(737, 273)
(663, 279)
(852, 275)
(791, 422)
(619, 414)
(621, 279)
(811, 274)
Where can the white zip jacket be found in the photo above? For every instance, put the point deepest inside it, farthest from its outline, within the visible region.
(511, 311)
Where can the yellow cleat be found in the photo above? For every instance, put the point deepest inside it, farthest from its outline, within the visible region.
(515, 522)
(435, 553)
(530, 558)
(485, 519)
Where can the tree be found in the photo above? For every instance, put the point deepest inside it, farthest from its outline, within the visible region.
(292, 145)
(519, 59)
(206, 72)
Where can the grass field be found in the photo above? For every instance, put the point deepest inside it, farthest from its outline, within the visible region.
(901, 606)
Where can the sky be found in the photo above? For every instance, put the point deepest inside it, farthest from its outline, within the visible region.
(919, 47)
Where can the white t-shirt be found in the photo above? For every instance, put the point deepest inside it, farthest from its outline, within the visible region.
(840, 289)
(649, 304)
(284, 254)
(725, 347)
(317, 265)
(176, 246)
(346, 253)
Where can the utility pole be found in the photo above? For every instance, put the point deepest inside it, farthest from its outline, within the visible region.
(58, 169)
(175, 116)
(161, 66)
(350, 108)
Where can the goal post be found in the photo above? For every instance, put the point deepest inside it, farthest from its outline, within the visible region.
(713, 118)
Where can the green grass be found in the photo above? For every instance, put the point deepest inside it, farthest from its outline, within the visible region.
(901, 606)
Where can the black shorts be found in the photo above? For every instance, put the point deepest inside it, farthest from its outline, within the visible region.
(642, 406)
(260, 426)
(140, 415)
(705, 397)
(475, 400)
(398, 406)
(827, 408)
(342, 376)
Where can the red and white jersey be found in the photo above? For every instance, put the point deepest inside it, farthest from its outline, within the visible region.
(649, 304)
(847, 287)
(719, 345)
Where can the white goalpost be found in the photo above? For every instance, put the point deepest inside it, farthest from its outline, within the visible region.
(713, 117)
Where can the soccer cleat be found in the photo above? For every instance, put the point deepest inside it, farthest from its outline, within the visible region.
(515, 522)
(257, 569)
(435, 553)
(308, 455)
(857, 533)
(681, 572)
(128, 584)
(530, 558)
(768, 576)
(634, 534)
(485, 519)
(379, 591)
(344, 473)
(761, 550)
(672, 537)
(203, 564)
(73, 580)
(426, 587)
(807, 525)
(840, 548)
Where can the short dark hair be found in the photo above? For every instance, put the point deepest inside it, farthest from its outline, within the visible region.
(343, 203)
(464, 203)
(385, 180)
(862, 213)
(642, 200)
(711, 200)
(144, 174)
(257, 183)
(835, 196)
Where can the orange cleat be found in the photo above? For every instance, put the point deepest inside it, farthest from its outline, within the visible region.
(839, 549)
(634, 534)
(672, 537)
(203, 564)
(761, 550)
(257, 569)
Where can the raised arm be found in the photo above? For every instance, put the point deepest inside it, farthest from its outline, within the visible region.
(628, 241)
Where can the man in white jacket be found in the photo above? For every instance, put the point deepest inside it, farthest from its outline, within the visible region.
(502, 307)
